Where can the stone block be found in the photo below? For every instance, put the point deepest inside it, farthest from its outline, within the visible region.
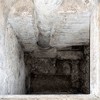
(43, 66)
(63, 67)
(47, 84)
(73, 55)
(45, 53)
(75, 74)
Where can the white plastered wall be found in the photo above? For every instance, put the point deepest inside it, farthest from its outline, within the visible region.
(12, 72)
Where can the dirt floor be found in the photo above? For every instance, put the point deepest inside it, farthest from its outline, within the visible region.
(54, 75)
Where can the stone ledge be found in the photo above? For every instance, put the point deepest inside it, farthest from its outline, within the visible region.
(50, 97)
(74, 55)
(42, 53)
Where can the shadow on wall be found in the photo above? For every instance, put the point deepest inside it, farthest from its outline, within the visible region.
(58, 75)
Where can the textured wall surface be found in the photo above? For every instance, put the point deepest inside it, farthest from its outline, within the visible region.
(49, 23)
(12, 75)
(61, 23)
(15, 68)
(23, 21)
(11, 64)
(66, 72)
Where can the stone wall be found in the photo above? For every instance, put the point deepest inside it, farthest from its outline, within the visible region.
(46, 27)
(69, 70)
(12, 70)
(58, 23)
(12, 75)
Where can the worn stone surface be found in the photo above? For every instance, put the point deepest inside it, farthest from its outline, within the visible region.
(75, 75)
(11, 63)
(69, 63)
(12, 75)
(47, 23)
(51, 23)
(61, 23)
(45, 53)
(40, 65)
(63, 67)
(85, 70)
(15, 68)
(52, 97)
(43, 66)
(73, 55)
(66, 68)
(23, 21)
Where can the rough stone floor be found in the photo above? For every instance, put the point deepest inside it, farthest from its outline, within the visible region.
(58, 75)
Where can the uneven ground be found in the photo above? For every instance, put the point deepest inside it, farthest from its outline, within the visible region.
(59, 75)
